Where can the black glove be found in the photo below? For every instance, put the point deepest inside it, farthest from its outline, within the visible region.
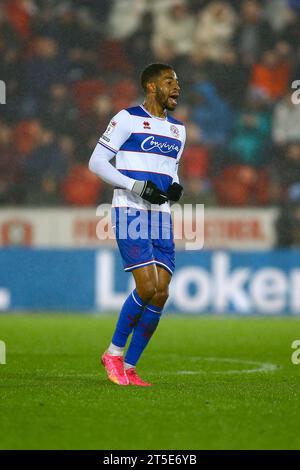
(150, 192)
(174, 192)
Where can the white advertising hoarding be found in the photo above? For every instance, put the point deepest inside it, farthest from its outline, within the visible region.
(240, 229)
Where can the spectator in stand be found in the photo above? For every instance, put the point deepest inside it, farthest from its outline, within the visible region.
(244, 179)
(26, 136)
(174, 29)
(46, 67)
(57, 107)
(286, 121)
(45, 22)
(70, 64)
(212, 114)
(67, 146)
(81, 36)
(271, 75)
(132, 10)
(79, 187)
(196, 156)
(8, 35)
(288, 172)
(81, 31)
(252, 131)
(192, 68)
(96, 121)
(230, 76)
(10, 168)
(138, 43)
(45, 169)
(215, 29)
(253, 34)
(19, 13)
(10, 70)
(277, 12)
(194, 171)
(291, 32)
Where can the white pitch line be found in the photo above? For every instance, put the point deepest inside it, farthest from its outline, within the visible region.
(259, 366)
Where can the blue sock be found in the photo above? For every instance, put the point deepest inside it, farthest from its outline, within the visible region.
(142, 333)
(129, 316)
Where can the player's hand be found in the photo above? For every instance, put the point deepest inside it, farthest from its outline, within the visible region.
(150, 192)
(174, 192)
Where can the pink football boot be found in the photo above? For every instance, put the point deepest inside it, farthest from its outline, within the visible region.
(134, 379)
(114, 366)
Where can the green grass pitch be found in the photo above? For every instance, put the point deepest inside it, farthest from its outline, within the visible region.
(220, 383)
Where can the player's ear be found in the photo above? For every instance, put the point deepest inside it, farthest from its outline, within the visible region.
(151, 87)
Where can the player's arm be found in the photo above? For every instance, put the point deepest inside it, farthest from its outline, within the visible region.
(100, 164)
(117, 132)
(175, 189)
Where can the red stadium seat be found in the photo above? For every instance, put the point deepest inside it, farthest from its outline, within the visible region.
(241, 185)
(113, 57)
(85, 93)
(195, 163)
(123, 94)
(81, 187)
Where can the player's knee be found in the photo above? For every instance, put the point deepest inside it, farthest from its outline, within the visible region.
(162, 296)
(147, 290)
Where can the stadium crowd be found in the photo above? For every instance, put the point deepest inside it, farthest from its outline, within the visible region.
(70, 65)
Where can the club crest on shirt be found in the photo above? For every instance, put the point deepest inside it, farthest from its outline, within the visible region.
(174, 130)
(110, 128)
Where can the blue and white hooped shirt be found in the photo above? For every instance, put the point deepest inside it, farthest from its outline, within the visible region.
(146, 148)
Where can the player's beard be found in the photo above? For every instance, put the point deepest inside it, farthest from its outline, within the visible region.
(163, 100)
(168, 107)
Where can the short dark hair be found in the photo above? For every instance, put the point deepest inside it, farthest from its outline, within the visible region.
(152, 71)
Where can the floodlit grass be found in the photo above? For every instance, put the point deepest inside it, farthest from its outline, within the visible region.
(219, 383)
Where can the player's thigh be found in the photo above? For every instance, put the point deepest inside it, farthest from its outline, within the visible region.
(162, 291)
(146, 280)
(164, 254)
(164, 278)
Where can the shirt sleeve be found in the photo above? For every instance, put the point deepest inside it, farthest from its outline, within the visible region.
(175, 176)
(117, 132)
